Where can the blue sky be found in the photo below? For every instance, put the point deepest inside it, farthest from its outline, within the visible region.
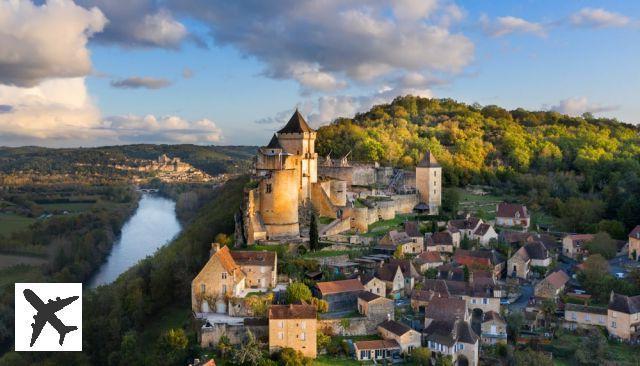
(216, 72)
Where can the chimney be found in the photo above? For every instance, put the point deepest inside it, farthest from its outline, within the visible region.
(214, 249)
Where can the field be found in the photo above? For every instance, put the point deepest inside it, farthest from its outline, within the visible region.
(10, 223)
(19, 273)
(8, 260)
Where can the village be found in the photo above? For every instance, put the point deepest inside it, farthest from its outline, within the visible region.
(344, 260)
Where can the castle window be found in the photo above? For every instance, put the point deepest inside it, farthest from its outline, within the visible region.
(224, 275)
(269, 188)
(203, 288)
(435, 173)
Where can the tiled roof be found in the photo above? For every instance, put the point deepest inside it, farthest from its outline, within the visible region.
(465, 224)
(557, 279)
(423, 295)
(368, 296)
(377, 344)
(254, 258)
(226, 259)
(585, 309)
(412, 228)
(292, 311)
(440, 238)
(296, 124)
(624, 304)
(428, 257)
(511, 209)
(514, 236)
(449, 332)
(536, 250)
(445, 308)
(407, 268)
(579, 239)
(335, 287)
(387, 272)
(429, 161)
(635, 233)
(482, 229)
(394, 327)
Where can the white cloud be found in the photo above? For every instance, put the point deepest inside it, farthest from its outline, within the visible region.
(46, 41)
(139, 23)
(598, 18)
(331, 44)
(167, 129)
(137, 82)
(576, 106)
(503, 26)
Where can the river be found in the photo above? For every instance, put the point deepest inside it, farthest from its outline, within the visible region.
(153, 225)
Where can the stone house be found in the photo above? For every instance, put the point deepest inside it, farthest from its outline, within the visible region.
(407, 338)
(374, 285)
(341, 295)
(623, 317)
(573, 245)
(375, 307)
(493, 328)
(552, 285)
(465, 227)
(391, 275)
(484, 234)
(410, 246)
(427, 260)
(481, 259)
(531, 254)
(634, 243)
(421, 298)
(512, 214)
(441, 242)
(293, 326)
(377, 350)
(582, 316)
(483, 295)
(227, 274)
(447, 330)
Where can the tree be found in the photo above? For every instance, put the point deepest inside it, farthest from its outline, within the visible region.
(548, 308)
(592, 349)
(515, 320)
(451, 200)
(322, 306)
(290, 357)
(465, 271)
(398, 254)
(431, 273)
(173, 345)
(530, 357)
(345, 323)
(602, 244)
(421, 356)
(223, 239)
(297, 292)
(224, 346)
(313, 233)
(614, 228)
(248, 353)
(322, 341)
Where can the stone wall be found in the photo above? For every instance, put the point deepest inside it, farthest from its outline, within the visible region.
(237, 333)
(405, 203)
(357, 326)
(336, 227)
(337, 172)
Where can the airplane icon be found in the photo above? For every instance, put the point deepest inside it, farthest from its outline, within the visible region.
(47, 314)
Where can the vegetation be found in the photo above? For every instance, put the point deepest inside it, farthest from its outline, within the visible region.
(580, 169)
(297, 292)
(314, 245)
(598, 282)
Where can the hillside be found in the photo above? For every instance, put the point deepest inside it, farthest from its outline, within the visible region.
(549, 158)
(210, 159)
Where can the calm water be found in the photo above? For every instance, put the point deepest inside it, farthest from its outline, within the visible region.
(153, 225)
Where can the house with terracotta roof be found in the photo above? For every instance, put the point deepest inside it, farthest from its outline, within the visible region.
(441, 242)
(374, 285)
(407, 338)
(427, 260)
(573, 245)
(493, 328)
(293, 326)
(227, 274)
(552, 286)
(512, 214)
(447, 330)
(477, 294)
(375, 307)
(530, 254)
(634, 243)
(379, 349)
(623, 317)
(465, 227)
(481, 259)
(341, 295)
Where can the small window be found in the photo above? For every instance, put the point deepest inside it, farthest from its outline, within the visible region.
(435, 173)
(224, 275)
(614, 325)
(268, 188)
(302, 336)
(281, 324)
(303, 325)
(203, 288)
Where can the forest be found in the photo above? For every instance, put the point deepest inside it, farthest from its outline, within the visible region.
(583, 170)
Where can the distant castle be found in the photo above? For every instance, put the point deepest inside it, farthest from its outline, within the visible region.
(287, 177)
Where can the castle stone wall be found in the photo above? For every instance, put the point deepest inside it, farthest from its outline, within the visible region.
(336, 172)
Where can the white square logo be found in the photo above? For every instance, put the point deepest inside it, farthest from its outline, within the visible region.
(48, 317)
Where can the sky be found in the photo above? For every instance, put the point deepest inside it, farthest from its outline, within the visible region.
(218, 72)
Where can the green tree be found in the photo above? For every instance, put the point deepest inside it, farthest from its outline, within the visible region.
(431, 273)
(451, 200)
(614, 228)
(248, 353)
(290, 357)
(421, 356)
(529, 357)
(398, 254)
(173, 346)
(297, 292)
(322, 341)
(313, 233)
(224, 346)
(515, 320)
(345, 323)
(602, 244)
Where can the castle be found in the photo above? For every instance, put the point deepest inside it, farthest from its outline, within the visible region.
(287, 178)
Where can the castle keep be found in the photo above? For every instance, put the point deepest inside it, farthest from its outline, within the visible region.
(287, 177)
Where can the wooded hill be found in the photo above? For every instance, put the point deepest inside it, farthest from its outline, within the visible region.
(548, 156)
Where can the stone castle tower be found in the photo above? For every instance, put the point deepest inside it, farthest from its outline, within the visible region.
(287, 170)
(429, 182)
